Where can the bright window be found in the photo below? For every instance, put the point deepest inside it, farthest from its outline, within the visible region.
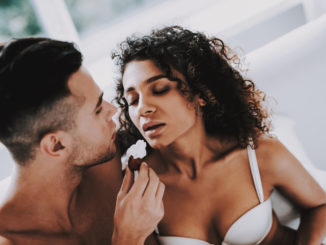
(90, 16)
(17, 20)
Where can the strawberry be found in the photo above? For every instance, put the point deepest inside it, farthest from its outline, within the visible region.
(134, 164)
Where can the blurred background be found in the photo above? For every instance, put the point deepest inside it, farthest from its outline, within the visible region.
(282, 41)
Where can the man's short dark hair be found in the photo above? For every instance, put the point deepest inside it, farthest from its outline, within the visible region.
(33, 92)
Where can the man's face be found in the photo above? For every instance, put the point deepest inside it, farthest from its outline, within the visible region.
(94, 134)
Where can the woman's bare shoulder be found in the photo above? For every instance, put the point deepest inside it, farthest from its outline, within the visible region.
(279, 167)
(270, 145)
(273, 156)
(267, 142)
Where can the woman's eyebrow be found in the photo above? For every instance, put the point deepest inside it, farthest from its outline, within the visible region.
(149, 80)
(153, 79)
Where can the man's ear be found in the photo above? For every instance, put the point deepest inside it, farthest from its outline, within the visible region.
(53, 144)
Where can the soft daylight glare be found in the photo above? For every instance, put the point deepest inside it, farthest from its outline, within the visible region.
(252, 28)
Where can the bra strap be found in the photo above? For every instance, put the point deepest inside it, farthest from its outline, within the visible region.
(255, 173)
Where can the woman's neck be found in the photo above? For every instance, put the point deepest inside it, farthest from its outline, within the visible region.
(190, 153)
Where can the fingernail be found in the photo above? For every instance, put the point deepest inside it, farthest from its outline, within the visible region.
(144, 164)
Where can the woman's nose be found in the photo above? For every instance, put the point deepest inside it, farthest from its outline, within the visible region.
(145, 108)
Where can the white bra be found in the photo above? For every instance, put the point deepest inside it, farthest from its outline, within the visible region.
(250, 229)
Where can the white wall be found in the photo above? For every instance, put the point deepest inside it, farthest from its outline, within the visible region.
(292, 70)
(6, 162)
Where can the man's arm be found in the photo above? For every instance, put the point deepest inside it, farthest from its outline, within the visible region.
(139, 207)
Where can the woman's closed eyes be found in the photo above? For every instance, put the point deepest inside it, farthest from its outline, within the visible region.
(163, 90)
(156, 90)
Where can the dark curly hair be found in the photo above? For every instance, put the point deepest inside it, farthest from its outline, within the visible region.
(233, 105)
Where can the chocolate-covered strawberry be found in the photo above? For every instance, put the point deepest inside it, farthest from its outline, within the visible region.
(135, 155)
(134, 164)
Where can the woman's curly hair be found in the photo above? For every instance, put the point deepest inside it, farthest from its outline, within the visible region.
(233, 105)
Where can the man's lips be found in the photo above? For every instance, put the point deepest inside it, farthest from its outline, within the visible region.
(114, 136)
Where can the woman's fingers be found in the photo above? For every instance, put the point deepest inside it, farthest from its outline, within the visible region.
(160, 191)
(153, 194)
(127, 183)
(147, 191)
(141, 182)
(137, 213)
(152, 186)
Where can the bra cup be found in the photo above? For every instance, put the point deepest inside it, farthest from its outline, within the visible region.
(252, 227)
(175, 240)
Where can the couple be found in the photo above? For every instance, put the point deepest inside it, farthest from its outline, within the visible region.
(208, 149)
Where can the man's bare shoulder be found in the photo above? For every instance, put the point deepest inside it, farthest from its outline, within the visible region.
(5, 241)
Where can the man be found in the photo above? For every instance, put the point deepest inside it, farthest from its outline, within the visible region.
(60, 133)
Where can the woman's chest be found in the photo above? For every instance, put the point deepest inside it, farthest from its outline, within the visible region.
(188, 213)
(207, 208)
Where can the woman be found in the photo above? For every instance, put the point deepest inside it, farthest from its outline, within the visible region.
(207, 134)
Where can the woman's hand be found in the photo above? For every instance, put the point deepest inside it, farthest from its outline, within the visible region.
(139, 207)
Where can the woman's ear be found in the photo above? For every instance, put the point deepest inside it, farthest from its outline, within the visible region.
(52, 144)
(201, 102)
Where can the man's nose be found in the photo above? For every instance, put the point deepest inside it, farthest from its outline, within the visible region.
(111, 109)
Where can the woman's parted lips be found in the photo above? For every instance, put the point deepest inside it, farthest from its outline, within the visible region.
(151, 125)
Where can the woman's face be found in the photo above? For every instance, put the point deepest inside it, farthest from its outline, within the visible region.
(156, 107)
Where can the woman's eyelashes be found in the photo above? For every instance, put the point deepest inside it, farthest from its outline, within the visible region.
(160, 91)
(155, 91)
(133, 102)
